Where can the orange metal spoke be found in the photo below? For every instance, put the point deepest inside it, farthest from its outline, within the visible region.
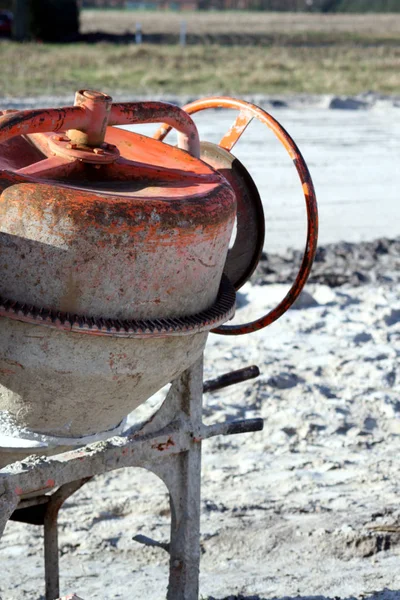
(153, 112)
(241, 123)
(45, 167)
(228, 142)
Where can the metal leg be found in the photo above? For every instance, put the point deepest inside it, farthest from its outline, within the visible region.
(185, 527)
(51, 559)
(51, 567)
(8, 503)
(169, 445)
(181, 473)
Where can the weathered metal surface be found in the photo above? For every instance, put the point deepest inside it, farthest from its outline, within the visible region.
(153, 112)
(182, 476)
(62, 146)
(98, 106)
(241, 123)
(8, 503)
(133, 248)
(171, 431)
(59, 384)
(221, 311)
(244, 256)
(51, 563)
(42, 119)
(231, 378)
(234, 427)
(228, 141)
(169, 445)
(86, 122)
(60, 235)
(72, 385)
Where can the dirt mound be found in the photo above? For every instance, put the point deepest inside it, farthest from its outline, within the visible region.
(337, 264)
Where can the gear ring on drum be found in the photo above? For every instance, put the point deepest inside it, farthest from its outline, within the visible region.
(222, 310)
(247, 112)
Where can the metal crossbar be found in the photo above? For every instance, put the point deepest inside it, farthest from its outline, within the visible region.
(168, 444)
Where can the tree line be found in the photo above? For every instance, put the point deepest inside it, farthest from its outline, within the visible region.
(58, 20)
(45, 20)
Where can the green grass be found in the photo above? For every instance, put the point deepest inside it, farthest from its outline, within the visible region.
(31, 69)
(331, 55)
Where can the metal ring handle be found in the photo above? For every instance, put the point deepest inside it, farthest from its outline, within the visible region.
(247, 112)
(92, 113)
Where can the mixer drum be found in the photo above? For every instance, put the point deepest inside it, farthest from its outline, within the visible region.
(110, 277)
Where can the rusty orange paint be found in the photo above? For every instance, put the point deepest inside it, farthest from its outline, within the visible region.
(243, 120)
(86, 122)
(50, 483)
(146, 200)
(108, 183)
(248, 110)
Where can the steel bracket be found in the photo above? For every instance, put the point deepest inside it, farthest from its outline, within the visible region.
(168, 444)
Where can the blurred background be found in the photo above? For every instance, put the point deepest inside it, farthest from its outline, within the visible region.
(329, 70)
(231, 46)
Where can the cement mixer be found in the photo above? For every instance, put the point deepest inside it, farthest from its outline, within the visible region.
(115, 265)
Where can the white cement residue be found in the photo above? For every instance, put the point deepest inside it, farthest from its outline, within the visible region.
(307, 508)
(12, 436)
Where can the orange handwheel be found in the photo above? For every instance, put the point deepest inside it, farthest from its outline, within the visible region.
(247, 112)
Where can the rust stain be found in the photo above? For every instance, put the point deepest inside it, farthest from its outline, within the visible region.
(49, 484)
(247, 111)
(10, 363)
(164, 445)
(169, 195)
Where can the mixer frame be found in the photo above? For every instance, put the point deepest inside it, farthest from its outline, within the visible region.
(168, 444)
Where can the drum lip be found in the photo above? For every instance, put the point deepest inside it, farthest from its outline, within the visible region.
(25, 440)
(221, 311)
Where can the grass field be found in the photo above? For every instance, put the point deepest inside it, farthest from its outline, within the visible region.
(368, 27)
(234, 53)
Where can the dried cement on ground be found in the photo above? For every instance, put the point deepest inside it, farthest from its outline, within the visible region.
(308, 508)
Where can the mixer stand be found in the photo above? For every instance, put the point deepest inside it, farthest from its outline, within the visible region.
(168, 444)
